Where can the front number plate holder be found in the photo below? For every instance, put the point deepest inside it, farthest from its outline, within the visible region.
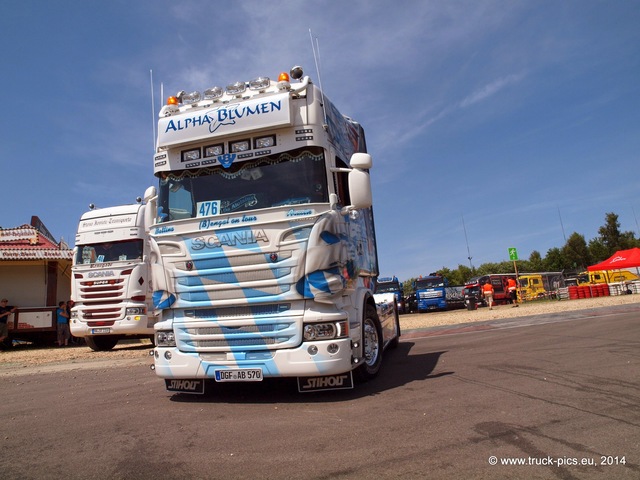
(238, 375)
(97, 331)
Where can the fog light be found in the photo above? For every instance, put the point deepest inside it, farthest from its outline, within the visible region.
(312, 350)
(333, 348)
(167, 355)
(165, 339)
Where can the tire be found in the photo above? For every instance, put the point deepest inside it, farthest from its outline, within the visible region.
(371, 346)
(102, 343)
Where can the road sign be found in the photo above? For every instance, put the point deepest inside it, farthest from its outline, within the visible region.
(513, 254)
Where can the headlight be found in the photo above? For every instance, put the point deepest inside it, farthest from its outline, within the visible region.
(165, 339)
(326, 331)
(136, 311)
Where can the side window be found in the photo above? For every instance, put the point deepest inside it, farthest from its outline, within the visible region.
(341, 181)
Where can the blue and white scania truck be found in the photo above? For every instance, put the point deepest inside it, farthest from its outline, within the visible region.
(263, 248)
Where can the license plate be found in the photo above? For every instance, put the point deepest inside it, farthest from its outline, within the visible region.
(100, 330)
(239, 375)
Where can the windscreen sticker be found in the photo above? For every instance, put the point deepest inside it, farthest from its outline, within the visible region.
(209, 208)
(244, 202)
(207, 224)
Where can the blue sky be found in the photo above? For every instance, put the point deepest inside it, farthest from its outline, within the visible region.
(517, 121)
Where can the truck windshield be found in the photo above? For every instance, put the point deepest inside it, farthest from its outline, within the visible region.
(429, 283)
(124, 250)
(387, 287)
(292, 178)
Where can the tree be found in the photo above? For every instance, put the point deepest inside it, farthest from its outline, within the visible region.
(536, 264)
(610, 239)
(554, 260)
(465, 274)
(575, 253)
(407, 286)
(598, 250)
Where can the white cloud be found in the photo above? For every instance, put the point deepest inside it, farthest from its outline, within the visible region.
(490, 90)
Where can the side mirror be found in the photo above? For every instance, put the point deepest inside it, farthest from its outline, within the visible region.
(149, 193)
(360, 189)
(362, 161)
(150, 208)
(360, 182)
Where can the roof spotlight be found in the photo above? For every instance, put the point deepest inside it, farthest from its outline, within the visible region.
(296, 72)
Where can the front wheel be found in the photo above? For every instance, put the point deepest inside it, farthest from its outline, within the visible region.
(371, 346)
(101, 343)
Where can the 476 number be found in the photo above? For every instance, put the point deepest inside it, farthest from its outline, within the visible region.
(207, 209)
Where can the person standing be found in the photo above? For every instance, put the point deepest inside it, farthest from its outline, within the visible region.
(487, 291)
(5, 311)
(513, 293)
(63, 325)
(72, 339)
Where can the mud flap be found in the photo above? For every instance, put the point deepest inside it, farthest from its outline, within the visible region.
(342, 381)
(185, 386)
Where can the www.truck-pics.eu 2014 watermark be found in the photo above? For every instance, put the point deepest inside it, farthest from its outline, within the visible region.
(602, 460)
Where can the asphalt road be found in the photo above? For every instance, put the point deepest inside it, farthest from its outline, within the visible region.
(550, 393)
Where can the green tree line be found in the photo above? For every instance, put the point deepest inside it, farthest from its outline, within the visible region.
(575, 256)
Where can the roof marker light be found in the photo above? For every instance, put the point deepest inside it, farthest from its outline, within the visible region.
(283, 81)
(172, 101)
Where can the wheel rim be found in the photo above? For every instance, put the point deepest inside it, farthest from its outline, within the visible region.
(371, 343)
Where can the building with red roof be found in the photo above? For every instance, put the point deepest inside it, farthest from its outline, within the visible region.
(35, 272)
